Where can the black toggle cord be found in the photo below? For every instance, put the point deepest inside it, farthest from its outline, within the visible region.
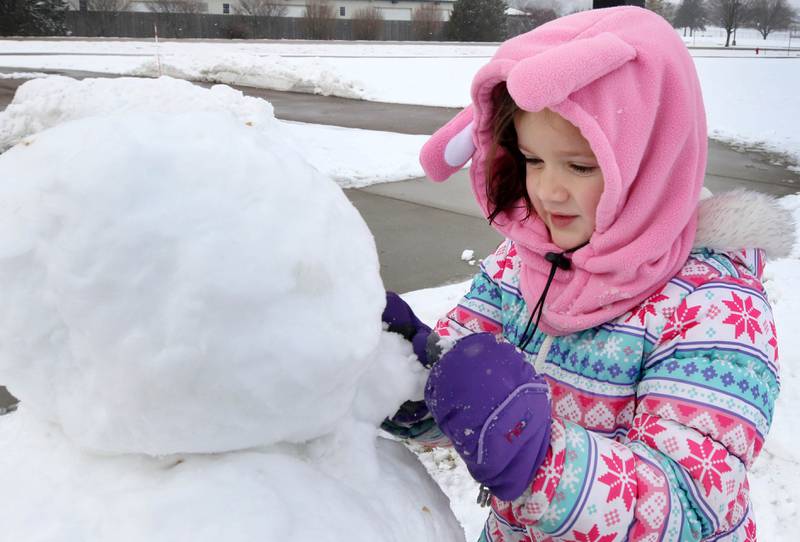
(558, 260)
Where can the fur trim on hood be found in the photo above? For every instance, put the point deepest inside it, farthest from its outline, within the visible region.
(742, 219)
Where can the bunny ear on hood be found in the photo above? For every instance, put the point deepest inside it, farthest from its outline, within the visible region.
(449, 148)
(625, 79)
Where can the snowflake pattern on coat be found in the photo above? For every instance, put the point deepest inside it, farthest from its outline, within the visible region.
(659, 411)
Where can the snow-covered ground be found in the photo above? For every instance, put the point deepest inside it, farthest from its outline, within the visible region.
(750, 99)
(50, 124)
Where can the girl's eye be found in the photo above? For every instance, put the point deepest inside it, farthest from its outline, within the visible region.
(583, 170)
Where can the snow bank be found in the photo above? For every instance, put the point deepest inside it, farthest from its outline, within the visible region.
(309, 75)
(352, 157)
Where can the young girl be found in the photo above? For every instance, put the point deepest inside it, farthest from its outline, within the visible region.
(612, 372)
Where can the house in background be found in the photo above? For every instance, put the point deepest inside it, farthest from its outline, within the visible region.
(392, 10)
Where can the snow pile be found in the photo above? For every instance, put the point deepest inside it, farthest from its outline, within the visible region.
(352, 157)
(313, 75)
(181, 284)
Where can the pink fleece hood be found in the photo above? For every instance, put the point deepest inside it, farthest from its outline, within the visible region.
(626, 80)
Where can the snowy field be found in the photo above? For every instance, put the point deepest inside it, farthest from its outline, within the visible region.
(750, 99)
(75, 431)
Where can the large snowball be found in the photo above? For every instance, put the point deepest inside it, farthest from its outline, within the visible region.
(61, 494)
(181, 283)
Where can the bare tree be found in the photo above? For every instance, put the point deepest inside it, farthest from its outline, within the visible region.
(768, 15)
(728, 14)
(426, 22)
(260, 8)
(538, 6)
(319, 20)
(175, 16)
(108, 5)
(367, 23)
(177, 6)
(107, 13)
(533, 13)
(662, 7)
(260, 11)
(691, 14)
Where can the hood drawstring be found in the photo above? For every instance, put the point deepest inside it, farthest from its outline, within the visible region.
(558, 260)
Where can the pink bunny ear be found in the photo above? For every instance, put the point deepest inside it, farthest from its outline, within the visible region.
(449, 148)
(558, 72)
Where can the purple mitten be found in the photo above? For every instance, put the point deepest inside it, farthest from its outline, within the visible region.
(402, 320)
(494, 408)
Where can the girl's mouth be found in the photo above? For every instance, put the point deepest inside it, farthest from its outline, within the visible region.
(561, 221)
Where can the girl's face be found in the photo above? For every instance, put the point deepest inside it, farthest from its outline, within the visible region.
(562, 177)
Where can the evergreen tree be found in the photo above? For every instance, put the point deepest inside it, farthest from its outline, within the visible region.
(33, 17)
(477, 20)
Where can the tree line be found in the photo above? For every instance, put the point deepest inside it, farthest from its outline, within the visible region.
(765, 16)
(470, 20)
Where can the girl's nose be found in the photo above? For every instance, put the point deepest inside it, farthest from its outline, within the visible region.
(549, 186)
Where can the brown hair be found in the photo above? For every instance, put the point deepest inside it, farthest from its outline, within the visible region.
(504, 164)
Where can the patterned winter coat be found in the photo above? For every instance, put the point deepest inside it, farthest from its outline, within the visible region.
(657, 415)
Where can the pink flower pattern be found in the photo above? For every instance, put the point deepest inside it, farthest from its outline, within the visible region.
(706, 464)
(744, 316)
(645, 428)
(773, 341)
(648, 306)
(620, 478)
(550, 473)
(684, 319)
(750, 531)
(593, 536)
